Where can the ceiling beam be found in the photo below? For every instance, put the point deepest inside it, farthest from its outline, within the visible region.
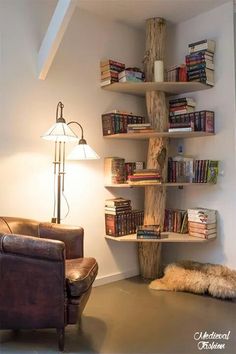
(53, 37)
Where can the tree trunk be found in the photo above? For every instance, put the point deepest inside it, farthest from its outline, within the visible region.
(155, 197)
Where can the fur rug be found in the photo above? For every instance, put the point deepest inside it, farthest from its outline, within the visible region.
(199, 278)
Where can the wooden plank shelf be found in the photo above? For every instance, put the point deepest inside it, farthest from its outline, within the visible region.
(147, 135)
(170, 88)
(127, 185)
(172, 237)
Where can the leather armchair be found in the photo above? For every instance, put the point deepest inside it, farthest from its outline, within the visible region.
(45, 280)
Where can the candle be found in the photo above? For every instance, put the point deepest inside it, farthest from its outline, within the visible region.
(158, 71)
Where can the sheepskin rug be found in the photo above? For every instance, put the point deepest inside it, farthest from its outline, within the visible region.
(199, 278)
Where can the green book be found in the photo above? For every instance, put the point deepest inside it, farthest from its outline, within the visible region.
(212, 172)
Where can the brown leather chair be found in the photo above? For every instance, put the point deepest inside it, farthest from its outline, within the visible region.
(45, 281)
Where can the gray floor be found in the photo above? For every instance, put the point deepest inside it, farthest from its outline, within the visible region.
(127, 317)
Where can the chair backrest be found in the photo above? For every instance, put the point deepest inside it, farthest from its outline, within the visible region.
(11, 225)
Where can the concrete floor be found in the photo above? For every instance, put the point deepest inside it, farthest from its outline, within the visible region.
(127, 317)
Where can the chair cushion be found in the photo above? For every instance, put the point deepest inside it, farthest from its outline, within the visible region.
(80, 275)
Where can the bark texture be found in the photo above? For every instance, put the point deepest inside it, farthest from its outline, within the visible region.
(155, 197)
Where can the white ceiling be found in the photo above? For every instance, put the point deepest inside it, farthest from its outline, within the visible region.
(135, 12)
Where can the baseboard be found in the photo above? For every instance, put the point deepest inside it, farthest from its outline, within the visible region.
(106, 279)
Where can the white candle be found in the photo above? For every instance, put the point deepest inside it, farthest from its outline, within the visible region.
(158, 71)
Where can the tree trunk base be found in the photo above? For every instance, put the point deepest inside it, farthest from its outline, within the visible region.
(149, 259)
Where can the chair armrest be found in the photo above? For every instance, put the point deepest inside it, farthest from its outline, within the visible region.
(32, 247)
(72, 236)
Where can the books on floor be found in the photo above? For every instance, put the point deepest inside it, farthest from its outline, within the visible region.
(110, 70)
(200, 61)
(120, 218)
(202, 223)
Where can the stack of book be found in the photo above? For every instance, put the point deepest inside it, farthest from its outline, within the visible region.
(144, 176)
(149, 232)
(114, 170)
(188, 170)
(120, 219)
(176, 220)
(130, 167)
(200, 121)
(116, 122)
(177, 73)
(139, 128)
(110, 70)
(200, 61)
(131, 74)
(202, 223)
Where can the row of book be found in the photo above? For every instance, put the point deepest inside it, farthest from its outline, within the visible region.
(202, 223)
(116, 122)
(200, 61)
(176, 73)
(203, 121)
(188, 170)
(120, 218)
(115, 71)
(144, 176)
(176, 220)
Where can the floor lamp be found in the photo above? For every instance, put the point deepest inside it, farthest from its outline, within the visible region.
(61, 133)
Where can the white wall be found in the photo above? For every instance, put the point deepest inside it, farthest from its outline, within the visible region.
(28, 110)
(216, 24)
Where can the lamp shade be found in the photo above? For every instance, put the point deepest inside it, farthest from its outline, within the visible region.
(60, 132)
(83, 152)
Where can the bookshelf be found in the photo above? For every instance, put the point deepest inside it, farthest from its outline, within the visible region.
(172, 238)
(148, 135)
(170, 88)
(127, 185)
(149, 251)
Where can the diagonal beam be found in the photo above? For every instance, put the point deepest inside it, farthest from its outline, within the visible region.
(53, 37)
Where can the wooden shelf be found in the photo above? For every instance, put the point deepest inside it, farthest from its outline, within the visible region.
(142, 136)
(172, 237)
(170, 88)
(127, 185)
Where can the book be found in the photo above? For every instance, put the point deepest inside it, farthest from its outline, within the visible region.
(201, 231)
(180, 129)
(206, 44)
(203, 80)
(200, 54)
(197, 234)
(195, 65)
(202, 215)
(201, 226)
(212, 172)
(184, 100)
(114, 170)
(106, 62)
(117, 202)
(130, 79)
(130, 74)
(107, 82)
